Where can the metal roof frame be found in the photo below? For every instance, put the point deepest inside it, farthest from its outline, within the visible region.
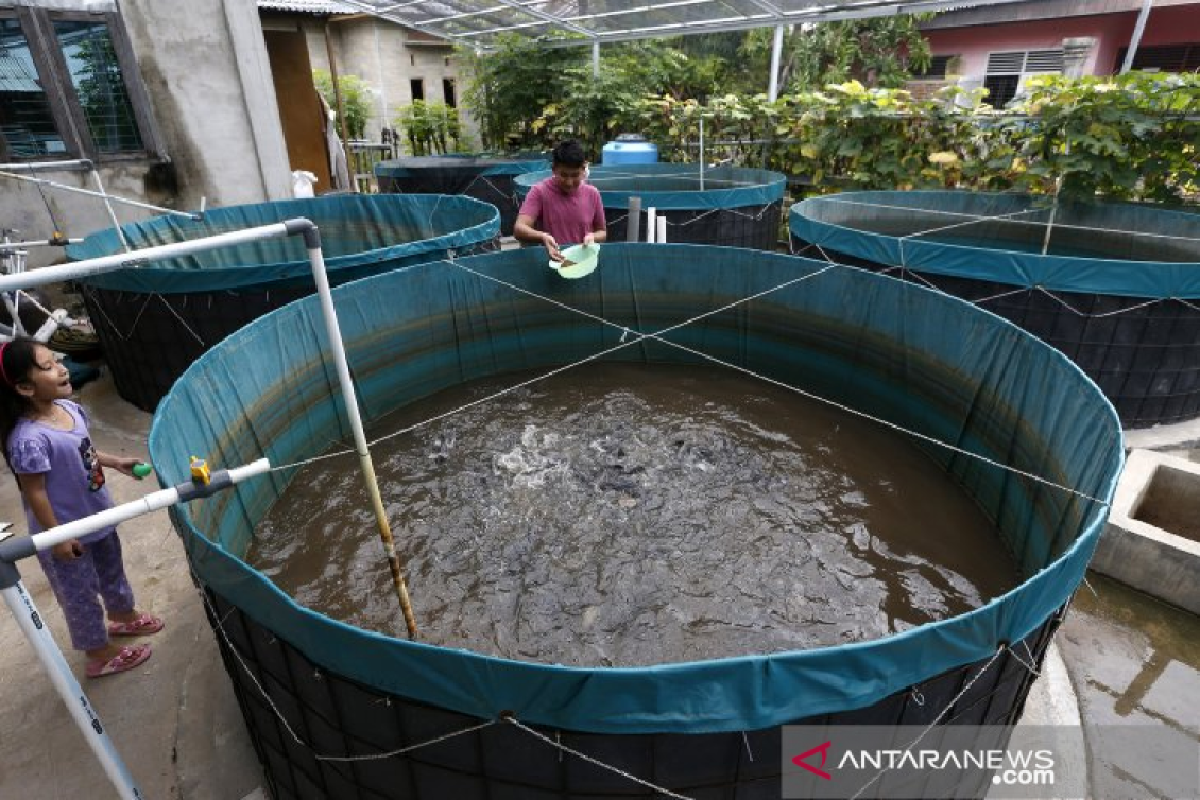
(477, 23)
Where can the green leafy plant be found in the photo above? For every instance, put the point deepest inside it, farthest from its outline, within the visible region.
(430, 128)
(356, 100)
(1133, 136)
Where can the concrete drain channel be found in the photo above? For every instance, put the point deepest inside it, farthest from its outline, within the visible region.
(1152, 541)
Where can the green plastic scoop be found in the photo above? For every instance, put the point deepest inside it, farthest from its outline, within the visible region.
(580, 260)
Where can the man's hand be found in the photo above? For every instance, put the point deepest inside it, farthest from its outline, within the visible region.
(552, 247)
(589, 240)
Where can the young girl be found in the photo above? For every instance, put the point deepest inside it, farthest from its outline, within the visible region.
(61, 477)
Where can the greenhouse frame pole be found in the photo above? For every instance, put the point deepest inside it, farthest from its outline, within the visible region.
(776, 51)
(1138, 28)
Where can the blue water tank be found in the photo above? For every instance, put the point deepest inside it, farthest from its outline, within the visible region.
(629, 148)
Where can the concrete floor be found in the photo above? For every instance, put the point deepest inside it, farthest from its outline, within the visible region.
(174, 719)
(177, 725)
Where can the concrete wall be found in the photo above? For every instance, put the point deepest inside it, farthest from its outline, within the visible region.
(204, 65)
(1167, 25)
(387, 57)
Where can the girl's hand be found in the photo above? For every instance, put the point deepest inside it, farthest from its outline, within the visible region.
(68, 550)
(122, 465)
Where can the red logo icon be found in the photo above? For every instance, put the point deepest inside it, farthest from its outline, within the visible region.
(823, 749)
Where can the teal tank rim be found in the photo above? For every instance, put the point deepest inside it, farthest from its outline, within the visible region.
(445, 223)
(694, 697)
(488, 165)
(816, 221)
(759, 187)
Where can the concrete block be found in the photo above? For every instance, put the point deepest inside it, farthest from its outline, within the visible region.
(1151, 540)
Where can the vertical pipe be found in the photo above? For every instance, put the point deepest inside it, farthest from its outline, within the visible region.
(634, 219)
(650, 225)
(595, 58)
(317, 260)
(702, 151)
(383, 119)
(68, 688)
(1138, 28)
(337, 97)
(776, 50)
(661, 235)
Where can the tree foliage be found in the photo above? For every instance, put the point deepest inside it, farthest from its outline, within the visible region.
(1125, 138)
(356, 99)
(841, 121)
(525, 95)
(881, 52)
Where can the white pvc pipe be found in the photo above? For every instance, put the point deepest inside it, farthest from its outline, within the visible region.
(317, 261)
(702, 152)
(661, 235)
(651, 225)
(81, 163)
(126, 511)
(33, 625)
(112, 215)
(97, 266)
(77, 190)
(38, 243)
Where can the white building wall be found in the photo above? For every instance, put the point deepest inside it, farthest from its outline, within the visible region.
(379, 52)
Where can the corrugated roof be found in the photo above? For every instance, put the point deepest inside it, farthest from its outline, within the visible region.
(309, 6)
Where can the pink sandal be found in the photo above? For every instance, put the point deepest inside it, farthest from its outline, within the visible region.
(143, 625)
(127, 659)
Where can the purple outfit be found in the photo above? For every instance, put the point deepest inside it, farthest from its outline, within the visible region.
(566, 217)
(75, 487)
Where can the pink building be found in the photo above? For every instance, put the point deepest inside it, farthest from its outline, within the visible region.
(1001, 45)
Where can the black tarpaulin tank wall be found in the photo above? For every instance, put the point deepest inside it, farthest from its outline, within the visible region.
(1115, 287)
(724, 205)
(321, 697)
(156, 320)
(486, 178)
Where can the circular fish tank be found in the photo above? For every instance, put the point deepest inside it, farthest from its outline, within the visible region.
(339, 711)
(731, 206)
(1116, 287)
(154, 321)
(486, 178)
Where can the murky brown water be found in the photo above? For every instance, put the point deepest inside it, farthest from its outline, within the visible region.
(630, 515)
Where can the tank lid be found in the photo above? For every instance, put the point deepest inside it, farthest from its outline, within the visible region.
(630, 137)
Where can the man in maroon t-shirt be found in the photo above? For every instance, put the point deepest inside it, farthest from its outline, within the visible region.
(564, 209)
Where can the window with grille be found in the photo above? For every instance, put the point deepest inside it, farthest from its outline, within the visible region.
(96, 77)
(26, 123)
(1006, 72)
(69, 88)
